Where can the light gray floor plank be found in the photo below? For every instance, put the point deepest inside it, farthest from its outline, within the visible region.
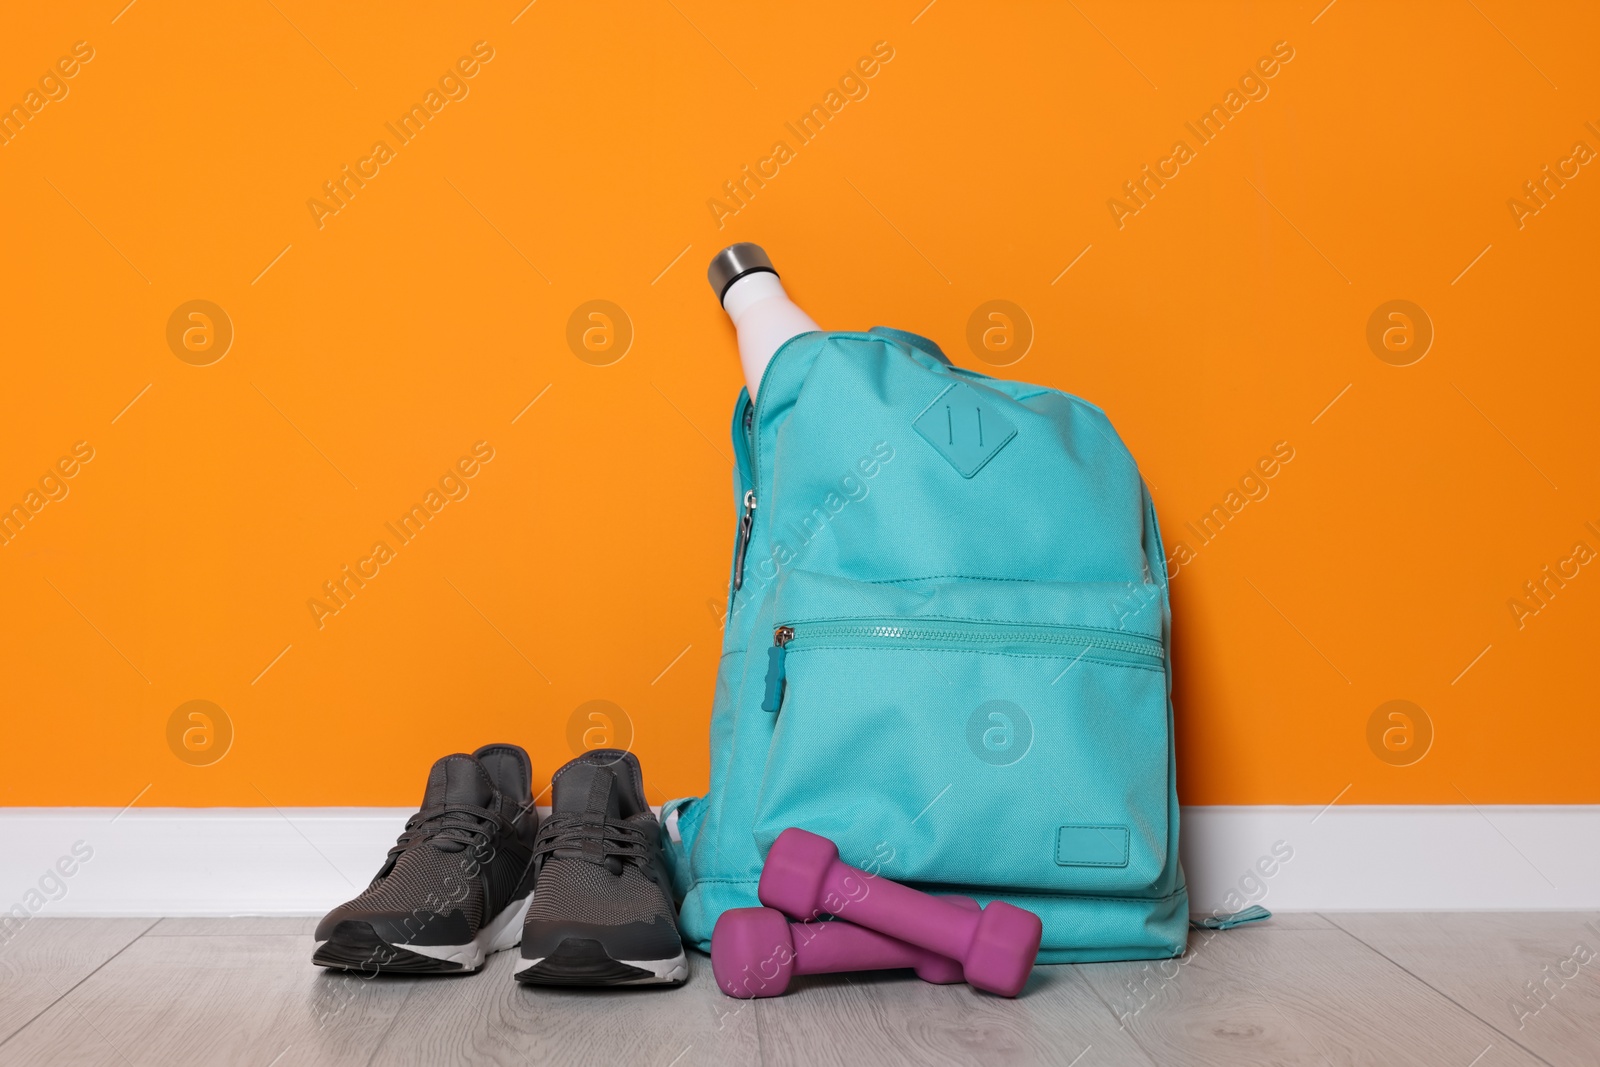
(492, 1019)
(235, 926)
(1292, 920)
(47, 957)
(1289, 997)
(891, 1018)
(1333, 990)
(212, 1000)
(1486, 962)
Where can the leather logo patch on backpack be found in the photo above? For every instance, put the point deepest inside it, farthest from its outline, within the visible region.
(964, 428)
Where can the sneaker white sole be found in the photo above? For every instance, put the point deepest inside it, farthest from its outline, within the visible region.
(503, 931)
(673, 971)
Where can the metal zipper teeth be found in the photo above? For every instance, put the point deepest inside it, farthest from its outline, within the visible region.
(985, 636)
(747, 513)
(746, 523)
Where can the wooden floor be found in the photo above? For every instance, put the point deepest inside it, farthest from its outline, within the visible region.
(1301, 989)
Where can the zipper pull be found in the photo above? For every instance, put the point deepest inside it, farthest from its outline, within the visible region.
(745, 522)
(773, 699)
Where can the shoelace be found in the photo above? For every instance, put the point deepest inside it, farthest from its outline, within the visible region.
(476, 828)
(609, 842)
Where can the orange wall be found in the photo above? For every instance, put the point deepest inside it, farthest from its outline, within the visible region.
(388, 338)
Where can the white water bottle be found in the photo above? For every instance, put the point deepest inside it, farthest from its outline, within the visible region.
(748, 287)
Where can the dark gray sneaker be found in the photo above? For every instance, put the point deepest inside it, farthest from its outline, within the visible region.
(456, 886)
(602, 911)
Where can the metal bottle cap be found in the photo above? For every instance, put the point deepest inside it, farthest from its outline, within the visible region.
(733, 263)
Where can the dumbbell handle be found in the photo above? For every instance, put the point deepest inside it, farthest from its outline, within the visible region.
(903, 913)
(832, 947)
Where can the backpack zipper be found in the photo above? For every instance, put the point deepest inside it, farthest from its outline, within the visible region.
(746, 520)
(951, 634)
(747, 516)
(754, 417)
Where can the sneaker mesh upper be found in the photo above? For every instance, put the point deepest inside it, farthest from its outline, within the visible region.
(584, 892)
(461, 859)
(598, 856)
(425, 880)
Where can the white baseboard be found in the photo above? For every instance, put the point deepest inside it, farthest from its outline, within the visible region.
(1395, 858)
(258, 861)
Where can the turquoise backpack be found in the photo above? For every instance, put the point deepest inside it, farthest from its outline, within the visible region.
(946, 649)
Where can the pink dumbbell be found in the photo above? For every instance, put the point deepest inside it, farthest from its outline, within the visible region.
(756, 951)
(996, 946)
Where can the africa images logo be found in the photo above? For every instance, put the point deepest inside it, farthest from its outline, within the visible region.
(807, 128)
(1252, 87)
(452, 87)
(452, 486)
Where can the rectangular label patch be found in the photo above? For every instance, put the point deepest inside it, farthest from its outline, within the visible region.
(1092, 846)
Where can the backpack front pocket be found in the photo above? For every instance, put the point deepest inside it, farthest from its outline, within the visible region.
(1013, 739)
